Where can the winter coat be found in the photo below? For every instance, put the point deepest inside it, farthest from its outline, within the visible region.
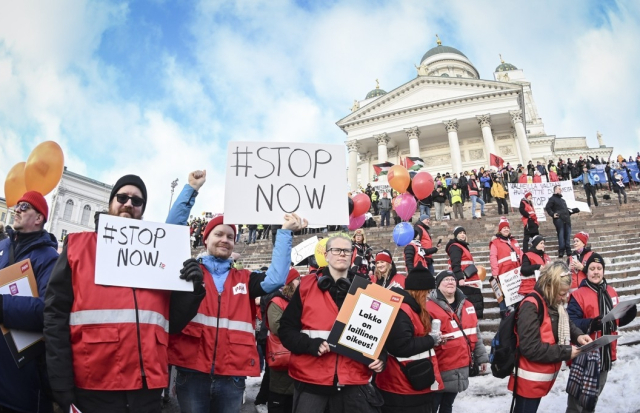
(384, 204)
(556, 204)
(497, 190)
(24, 388)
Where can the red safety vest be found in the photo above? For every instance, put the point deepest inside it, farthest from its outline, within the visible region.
(397, 281)
(531, 211)
(467, 260)
(425, 240)
(319, 312)
(528, 282)
(535, 380)
(417, 258)
(455, 353)
(505, 262)
(587, 299)
(222, 333)
(578, 276)
(114, 329)
(392, 378)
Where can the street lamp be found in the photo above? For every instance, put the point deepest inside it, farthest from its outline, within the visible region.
(173, 186)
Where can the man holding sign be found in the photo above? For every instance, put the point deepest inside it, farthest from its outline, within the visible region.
(323, 378)
(107, 345)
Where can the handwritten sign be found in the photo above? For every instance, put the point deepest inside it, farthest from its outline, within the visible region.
(265, 181)
(541, 193)
(510, 284)
(364, 321)
(303, 250)
(141, 254)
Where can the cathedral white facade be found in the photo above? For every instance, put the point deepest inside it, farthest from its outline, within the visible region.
(453, 120)
(74, 204)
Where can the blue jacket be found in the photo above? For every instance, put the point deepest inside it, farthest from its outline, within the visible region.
(22, 389)
(486, 181)
(589, 174)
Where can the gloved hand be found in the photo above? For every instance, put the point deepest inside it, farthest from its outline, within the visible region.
(595, 324)
(64, 399)
(191, 271)
(437, 337)
(575, 210)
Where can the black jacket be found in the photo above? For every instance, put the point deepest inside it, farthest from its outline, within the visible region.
(454, 250)
(527, 268)
(557, 205)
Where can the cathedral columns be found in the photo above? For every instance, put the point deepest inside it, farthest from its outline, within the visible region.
(353, 147)
(487, 136)
(383, 140)
(516, 118)
(414, 146)
(452, 131)
(365, 167)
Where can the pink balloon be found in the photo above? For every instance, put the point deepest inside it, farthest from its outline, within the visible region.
(405, 205)
(356, 222)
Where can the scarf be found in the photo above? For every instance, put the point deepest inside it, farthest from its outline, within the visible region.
(604, 305)
(584, 379)
(218, 268)
(564, 333)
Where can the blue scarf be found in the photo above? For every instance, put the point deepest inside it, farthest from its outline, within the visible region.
(219, 269)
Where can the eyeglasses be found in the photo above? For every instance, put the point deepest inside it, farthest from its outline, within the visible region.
(22, 207)
(449, 280)
(340, 251)
(136, 201)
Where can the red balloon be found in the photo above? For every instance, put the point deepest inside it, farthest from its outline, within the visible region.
(422, 185)
(361, 204)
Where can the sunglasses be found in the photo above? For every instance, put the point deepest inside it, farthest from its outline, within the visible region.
(136, 201)
(22, 207)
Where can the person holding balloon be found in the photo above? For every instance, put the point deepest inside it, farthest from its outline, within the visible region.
(362, 255)
(462, 265)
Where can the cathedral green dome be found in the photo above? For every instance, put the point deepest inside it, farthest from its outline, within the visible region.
(376, 92)
(441, 49)
(505, 67)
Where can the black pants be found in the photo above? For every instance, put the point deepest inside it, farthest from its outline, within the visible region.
(351, 399)
(590, 190)
(502, 204)
(375, 207)
(486, 195)
(132, 401)
(280, 403)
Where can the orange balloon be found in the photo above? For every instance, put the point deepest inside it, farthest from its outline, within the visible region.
(399, 178)
(44, 167)
(482, 272)
(14, 186)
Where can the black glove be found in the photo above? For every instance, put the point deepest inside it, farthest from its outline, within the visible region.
(314, 346)
(191, 271)
(575, 210)
(65, 399)
(595, 324)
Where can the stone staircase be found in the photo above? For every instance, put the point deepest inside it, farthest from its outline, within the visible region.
(614, 233)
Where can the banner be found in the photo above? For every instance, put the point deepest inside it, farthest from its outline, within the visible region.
(633, 169)
(541, 194)
(265, 181)
(141, 254)
(599, 174)
(510, 284)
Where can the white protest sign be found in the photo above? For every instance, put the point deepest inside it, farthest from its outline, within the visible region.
(541, 193)
(303, 250)
(366, 325)
(510, 283)
(141, 254)
(265, 181)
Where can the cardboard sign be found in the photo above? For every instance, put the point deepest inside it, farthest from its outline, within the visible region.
(497, 291)
(275, 179)
(141, 254)
(541, 194)
(303, 250)
(364, 321)
(510, 284)
(19, 280)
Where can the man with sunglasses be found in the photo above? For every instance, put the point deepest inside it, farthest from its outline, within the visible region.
(323, 379)
(107, 345)
(23, 389)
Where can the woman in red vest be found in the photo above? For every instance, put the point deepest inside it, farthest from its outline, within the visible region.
(460, 259)
(386, 274)
(532, 261)
(543, 345)
(280, 383)
(410, 340)
(588, 304)
(460, 334)
(578, 259)
(504, 254)
(529, 220)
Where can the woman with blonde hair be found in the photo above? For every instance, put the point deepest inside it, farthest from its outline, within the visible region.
(545, 334)
(362, 256)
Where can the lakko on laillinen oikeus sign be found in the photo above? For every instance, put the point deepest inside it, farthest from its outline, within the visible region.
(265, 181)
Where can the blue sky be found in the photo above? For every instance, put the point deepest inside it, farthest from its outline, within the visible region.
(158, 87)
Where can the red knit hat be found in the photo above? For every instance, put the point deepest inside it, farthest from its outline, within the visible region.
(383, 256)
(293, 274)
(582, 236)
(37, 201)
(218, 220)
(527, 194)
(504, 222)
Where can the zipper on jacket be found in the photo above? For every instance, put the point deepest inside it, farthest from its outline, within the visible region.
(215, 343)
(135, 302)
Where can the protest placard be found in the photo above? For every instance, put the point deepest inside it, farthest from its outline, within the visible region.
(620, 310)
(141, 254)
(510, 284)
(265, 181)
(303, 250)
(364, 321)
(541, 193)
(18, 280)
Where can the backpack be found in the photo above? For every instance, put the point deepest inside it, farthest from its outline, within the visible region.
(504, 344)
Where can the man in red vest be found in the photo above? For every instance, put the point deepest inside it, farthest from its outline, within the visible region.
(323, 379)
(107, 345)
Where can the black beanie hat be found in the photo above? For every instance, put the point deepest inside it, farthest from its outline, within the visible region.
(458, 230)
(130, 180)
(536, 240)
(442, 275)
(595, 257)
(419, 278)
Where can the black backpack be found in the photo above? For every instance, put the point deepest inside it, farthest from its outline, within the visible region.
(503, 346)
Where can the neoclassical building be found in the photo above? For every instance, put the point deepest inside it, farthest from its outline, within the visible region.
(75, 201)
(453, 120)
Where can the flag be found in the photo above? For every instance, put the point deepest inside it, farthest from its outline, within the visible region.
(496, 161)
(413, 162)
(382, 168)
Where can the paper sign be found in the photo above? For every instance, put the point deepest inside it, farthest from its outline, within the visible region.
(620, 310)
(510, 283)
(303, 250)
(496, 289)
(540, 194)
(364, 321)
(141, 254)
(19, 280)
(582, 206)
(600, 342)
(279, 178)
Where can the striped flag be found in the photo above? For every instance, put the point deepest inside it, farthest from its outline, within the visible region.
(382, 168)
(413, 162)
